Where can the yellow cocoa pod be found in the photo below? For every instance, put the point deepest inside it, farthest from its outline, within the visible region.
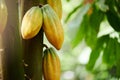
(31, 23)
(3, 15)
(52, 27)
(51, 65)
(57, 6)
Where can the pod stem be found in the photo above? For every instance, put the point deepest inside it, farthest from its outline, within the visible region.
(44, 45)
(40, 5)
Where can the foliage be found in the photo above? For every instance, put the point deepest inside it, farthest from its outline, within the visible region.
(89, 17)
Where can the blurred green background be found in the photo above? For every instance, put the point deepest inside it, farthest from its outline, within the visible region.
(91, 49)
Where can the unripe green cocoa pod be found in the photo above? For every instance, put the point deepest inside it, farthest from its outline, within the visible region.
(31, 23)
(57, 6)
(52, 27)
(3, 15)
(51, 65)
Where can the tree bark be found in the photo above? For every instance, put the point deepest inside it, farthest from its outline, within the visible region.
(12, 46)
(33, 48)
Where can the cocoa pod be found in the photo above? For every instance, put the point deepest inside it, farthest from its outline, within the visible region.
(3, 15)
(52, 27)
(31, 23)
(57, 6)
(51, 65)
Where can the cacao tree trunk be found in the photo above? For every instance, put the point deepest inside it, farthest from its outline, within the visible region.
(12, 46)
(33, 48)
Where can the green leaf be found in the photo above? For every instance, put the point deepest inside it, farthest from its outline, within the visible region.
(113, 20)
(101, 5)
(117, 4)
(92, 27)
(80, 20)
(96, 51)
(114, 6)
(118, 59)
(109, 55)
(72, 12)
(96, 18)
(76, 22)
(80, 34)
(113, 14)
(90, 37)
(74, 25)
(110, 3)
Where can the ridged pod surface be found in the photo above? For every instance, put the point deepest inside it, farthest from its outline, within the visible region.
(52, 27)
(57, 6)
(31, 23)
(51, 65)
(3, 15)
